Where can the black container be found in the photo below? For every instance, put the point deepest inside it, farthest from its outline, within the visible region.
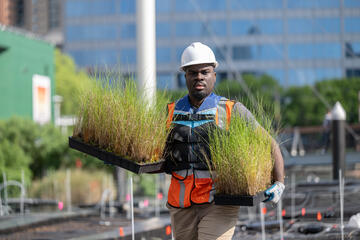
(111, 158)
(239, 200)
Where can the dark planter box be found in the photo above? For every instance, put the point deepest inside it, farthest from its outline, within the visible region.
(111, 158)
(239, 200)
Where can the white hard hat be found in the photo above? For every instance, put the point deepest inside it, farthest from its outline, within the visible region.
(197, 53)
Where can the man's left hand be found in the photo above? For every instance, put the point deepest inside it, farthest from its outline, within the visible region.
(274, 192)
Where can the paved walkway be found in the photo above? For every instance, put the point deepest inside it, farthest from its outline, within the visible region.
(16, 222)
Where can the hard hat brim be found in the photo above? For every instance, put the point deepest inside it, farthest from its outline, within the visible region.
(216, 64)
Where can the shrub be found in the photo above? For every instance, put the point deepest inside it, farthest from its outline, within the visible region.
(13, 161)
(86, 186)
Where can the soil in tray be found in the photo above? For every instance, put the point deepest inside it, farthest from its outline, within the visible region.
(239, 200)
(111, 158)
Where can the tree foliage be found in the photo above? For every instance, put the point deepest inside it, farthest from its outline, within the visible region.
(304, 106)
(36, 149)
(43, 146)
(264, 90)
(345, 91)
(69, 82)
(300, 105)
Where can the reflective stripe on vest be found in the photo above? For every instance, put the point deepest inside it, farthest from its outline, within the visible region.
(191, 186)
(171, 107)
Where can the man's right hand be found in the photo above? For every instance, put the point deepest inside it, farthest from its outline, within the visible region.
(274, 192)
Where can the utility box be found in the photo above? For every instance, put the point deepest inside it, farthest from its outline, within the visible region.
(27, 81)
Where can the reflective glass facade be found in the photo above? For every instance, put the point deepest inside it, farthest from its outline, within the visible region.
(296, 42)
(313, 26)
(257, 52)
(256, 27)
(352, 50)
(303, 76)
(315, 51)
(255, 4)
(306, 4)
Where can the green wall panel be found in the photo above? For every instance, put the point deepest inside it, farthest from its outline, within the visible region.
(20, 58)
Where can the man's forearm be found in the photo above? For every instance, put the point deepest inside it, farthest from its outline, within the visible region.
(278, 170)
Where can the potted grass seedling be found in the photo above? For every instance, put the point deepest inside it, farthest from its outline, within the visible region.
(241, 161)
(117, 126)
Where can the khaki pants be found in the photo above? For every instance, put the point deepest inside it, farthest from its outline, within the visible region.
(204, 222)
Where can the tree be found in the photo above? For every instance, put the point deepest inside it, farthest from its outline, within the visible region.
(345, 91)
(44, 145)
(300, 107)
(69, 82)
(264, 89)
(14, 161)
(37, 149)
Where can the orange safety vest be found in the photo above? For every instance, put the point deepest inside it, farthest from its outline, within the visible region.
(191, 182)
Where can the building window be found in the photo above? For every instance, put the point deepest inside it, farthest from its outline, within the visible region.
(257, 27)
(162, 30)
(196, 28)
(91, 32)
(257, 52)
(315, 51)
(311, 76)
(352, 49)
(180, 79)
(190, 29)
(313, 4)
(19, 13)
(79, 8)
(100, 57)
(163, 55)
(313, 26)
(352, 25)
(199, 5)
(179, 51)
(127, 6)
(351, 3)
(217, 27)
(353, 72)
(165, 81)
(255, 4)
(54, 14)
(220, 52)
(163, 6)
(127, 56)
(128, 31)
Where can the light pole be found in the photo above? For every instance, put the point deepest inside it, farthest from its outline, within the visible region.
(146, 45)
(338, 117)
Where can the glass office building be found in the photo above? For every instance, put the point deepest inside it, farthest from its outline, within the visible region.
(296, 42)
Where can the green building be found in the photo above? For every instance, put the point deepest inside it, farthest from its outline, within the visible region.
(27, 81)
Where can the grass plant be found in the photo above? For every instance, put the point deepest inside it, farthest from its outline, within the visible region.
(241, 155)
(113, 117)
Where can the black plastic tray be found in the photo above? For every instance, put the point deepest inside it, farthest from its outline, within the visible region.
(239, 200)
(111, 158)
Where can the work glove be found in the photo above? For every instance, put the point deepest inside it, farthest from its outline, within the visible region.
(274, 192)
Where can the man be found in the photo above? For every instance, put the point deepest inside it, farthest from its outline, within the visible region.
(190, 197)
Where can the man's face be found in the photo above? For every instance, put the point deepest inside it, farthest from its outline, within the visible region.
(200, 80)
